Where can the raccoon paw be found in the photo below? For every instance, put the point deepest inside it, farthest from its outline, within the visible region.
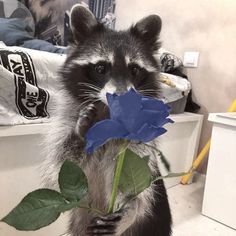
(104, 225)
(85, 121)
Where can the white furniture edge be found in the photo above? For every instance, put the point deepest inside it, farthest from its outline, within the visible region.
(222, 123)
(28, 129)
(15, 130)
(186, 116)
(195, 137)
(223, 118)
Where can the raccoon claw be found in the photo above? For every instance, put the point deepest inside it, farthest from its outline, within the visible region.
(104, 225)
(85, 121)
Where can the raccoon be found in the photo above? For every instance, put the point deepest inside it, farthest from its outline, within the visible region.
(105, 61)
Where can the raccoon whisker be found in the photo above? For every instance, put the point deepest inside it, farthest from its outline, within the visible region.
(147, 84)
(147, 90)
(92, 86)
(148, 93)
(87, 90)
(92, 93)
(90, 82)
(88, 93)
(88, 96)
(86, 102)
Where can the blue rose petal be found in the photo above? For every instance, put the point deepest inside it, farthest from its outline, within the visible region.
(98, 134)
(120, 107)
(154, 104)
(114, 106)
(158, 118)
(132, 117)
(146, 133)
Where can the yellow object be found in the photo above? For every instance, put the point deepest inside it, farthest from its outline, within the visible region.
(164, 79)
(203, 152)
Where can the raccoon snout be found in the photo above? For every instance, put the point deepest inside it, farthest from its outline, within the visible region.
(121, 88)
(118, 87)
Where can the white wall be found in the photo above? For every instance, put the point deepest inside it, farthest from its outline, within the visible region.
(207, 26)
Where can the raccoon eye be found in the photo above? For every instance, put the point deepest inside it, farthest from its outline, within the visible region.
(134, 70)
(100, 68)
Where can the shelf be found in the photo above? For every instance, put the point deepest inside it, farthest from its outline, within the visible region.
(185, 117)
(15, 130)
(223, 118)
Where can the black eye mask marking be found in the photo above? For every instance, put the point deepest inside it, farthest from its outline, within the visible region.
(101, 68)
(134, 69)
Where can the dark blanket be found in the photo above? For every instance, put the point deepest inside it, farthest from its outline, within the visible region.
(17, 32)
(173, 65)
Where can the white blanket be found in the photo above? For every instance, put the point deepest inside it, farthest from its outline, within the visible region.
(27, 82)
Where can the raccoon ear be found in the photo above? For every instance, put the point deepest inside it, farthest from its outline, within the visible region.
(148, 29)
(82, 22)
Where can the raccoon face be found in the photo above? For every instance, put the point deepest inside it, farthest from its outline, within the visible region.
(106, 61)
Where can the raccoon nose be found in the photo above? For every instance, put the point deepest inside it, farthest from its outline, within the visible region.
(120, 90)
(121, 87)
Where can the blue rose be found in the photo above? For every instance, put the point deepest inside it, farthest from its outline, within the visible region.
(132, 117)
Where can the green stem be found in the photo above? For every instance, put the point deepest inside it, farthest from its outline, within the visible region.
(170, 175)
(92, 209)
(162, 157)
(72, 205)
(118, 170)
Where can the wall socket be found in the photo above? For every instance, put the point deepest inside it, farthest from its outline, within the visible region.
(191, 59)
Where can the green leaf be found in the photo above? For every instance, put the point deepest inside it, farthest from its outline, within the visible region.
(67, 206)
(146, 158)
(36, 210)
(170, 175)
(72, 181)
(136, 175)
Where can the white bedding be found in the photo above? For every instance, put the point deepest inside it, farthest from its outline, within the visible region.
(27, 84)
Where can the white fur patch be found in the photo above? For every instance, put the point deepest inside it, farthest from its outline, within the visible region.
(94, 59)
(144, 65)
(59, 130)
(111, 58)
(129, 86)
(90, 59)
(141, 63)
(127, 60)
(108, 88)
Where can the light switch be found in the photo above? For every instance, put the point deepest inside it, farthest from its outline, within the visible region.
(191, 59)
